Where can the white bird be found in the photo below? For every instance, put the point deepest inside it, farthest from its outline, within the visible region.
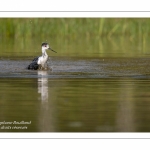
(41, 61)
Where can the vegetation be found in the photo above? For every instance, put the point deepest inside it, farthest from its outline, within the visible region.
(22, 37)
(73, 27)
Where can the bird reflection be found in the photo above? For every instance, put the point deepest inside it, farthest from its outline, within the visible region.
(43, 85)
(46, 106)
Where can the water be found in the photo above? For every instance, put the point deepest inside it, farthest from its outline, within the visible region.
(103, 90)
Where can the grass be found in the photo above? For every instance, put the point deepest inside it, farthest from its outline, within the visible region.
(73, 27)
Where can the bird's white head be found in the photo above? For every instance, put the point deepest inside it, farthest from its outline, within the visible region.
(45, 46)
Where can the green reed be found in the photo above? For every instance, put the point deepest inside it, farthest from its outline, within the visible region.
(74, 27)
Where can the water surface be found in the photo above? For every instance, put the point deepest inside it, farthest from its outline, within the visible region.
(78, 95)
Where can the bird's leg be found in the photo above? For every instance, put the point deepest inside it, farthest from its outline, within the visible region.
(40, 67)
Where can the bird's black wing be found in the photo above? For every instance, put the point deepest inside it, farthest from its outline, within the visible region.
(33, 66)
(36, 59)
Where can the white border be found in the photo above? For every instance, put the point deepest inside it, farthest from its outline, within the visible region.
(74, 14)
(74, 5)
(63, 135)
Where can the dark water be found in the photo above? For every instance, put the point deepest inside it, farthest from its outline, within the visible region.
(78, 95)
(105, 91)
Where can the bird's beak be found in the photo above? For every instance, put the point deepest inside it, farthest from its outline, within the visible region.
(52, 50)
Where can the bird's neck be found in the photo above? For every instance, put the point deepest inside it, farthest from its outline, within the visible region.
(44, 54)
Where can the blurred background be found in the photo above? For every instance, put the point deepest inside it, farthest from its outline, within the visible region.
(75, 36)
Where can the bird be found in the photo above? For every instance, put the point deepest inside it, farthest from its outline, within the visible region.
(40, 62)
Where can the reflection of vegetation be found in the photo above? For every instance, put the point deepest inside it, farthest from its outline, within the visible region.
(85, 105)
(17, 105)
(32, 27)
